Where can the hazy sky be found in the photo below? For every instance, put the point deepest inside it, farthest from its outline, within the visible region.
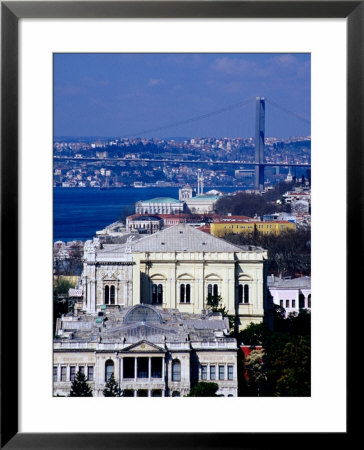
(124, 94)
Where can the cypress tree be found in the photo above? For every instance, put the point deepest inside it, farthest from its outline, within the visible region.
(112, 388)
(79, 387)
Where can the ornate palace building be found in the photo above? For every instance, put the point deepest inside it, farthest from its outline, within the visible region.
(143, 315)
(151, 352)
(180, 268)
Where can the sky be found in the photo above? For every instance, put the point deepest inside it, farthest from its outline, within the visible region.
(131, 95)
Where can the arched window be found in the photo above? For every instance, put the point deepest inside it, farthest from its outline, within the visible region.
(107, 295)
(176, 394)
(243, 293)
(240, 293)
(182, 293)
(112, 295)
(154, 293)
(176, 370)
(160, 294)
(209, 292)
(216, 290)
(185, 293)
(246, 293)
(188, 293)
(109, 369)
(309, 301)
(301, 301)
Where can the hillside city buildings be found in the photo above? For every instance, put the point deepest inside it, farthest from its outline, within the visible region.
(141, 311)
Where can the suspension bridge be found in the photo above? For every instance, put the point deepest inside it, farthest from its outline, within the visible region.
(259, 161)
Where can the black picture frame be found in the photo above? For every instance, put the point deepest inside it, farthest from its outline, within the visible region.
(11, 12)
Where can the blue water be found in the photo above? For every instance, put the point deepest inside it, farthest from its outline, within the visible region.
(79, 212)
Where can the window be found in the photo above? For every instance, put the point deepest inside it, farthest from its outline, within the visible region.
(90, 373)
(246, 294)
(176, 370)
(243, 293)
(156, 367)
(109, 369)
(81, 369)
(221, 372)
(281, 303)
(63, 373)
(204, 372)
(287, 303)
(230, 372)
(182, 293)
(128, 393)
(188, 293)
(209, 292)
(112, 295)
(128, 367)
(216, 290)
(309, 301)
(55, 373)
(157, 294)
(154, 293)
(176, 394)
(293, 303)
(212, 372)
(107, 295)
(185, 293)
(142, 367)
(72, 372)
(240, 293)
(160, 294)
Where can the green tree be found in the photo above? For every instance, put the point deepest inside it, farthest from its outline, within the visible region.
(112, 388)
(254, 334)
(294, 367)
(80, 387)
(60, 298)
(256, 372)
(204, 389)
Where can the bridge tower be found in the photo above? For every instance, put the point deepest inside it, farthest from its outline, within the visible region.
(259, 142)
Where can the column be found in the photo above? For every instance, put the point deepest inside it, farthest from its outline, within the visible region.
(135, 368)
(125, 302)
(135, 392)
(149, 368)
(149, 392)
(163, 364)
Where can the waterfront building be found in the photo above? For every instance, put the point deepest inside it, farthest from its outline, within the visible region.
(202, 204)
(179, 267)
(292, 294)
(144, 224)
(152, 352)
(223, 228)
(159, 205)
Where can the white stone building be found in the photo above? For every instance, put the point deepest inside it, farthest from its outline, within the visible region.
(179, 267)
(159, 205)
(292, 294)
(151, 352)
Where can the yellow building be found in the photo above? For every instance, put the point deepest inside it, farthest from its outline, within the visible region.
(220, 229)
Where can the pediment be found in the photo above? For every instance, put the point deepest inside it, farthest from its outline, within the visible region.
(144, 346)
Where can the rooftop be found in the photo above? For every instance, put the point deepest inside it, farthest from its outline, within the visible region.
(183, 237)
(160, 200)
(129, 324)
(289, 283)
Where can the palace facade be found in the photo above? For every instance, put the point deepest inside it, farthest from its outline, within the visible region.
(179, 267)
(152, 352)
